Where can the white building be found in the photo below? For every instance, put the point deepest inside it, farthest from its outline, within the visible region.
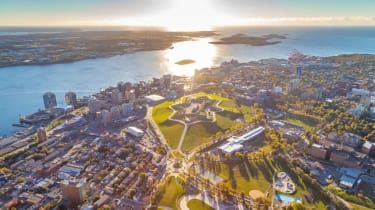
(360, 92)
(277, 90)
(235, 143)
(134, 131)
(154, 99)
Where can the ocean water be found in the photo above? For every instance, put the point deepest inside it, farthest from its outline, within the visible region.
(22, 87)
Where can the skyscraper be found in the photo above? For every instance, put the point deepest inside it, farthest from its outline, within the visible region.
(299, 72)
(94, 105)
(49, 100)
(70, 98)
(116, 96)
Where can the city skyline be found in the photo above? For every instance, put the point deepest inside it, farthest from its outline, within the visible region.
(185, 15)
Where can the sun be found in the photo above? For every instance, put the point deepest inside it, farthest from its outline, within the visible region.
(192, 15)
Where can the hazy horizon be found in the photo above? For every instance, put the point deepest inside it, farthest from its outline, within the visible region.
(186, 15)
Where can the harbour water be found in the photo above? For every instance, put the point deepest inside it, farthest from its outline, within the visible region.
(21, 87)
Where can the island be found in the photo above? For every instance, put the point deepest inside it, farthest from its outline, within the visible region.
(268, 39)
(185, 62)
(65, 47)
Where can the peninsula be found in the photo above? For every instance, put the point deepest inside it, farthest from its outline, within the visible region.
(268, 39)
(80, 45)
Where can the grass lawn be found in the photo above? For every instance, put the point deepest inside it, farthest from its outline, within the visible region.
(249, 113)
(198, 134)
(178, 155)
(354, 199)
(225, 120)
(298, 122)
(173, 191)
(358, 207)
(171, 130)
(246, 176)
(257, 175)
(201, 133)
(196, 204)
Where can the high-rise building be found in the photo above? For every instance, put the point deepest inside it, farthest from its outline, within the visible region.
(94, 105)
(106, 118)
(121, 87)
(293, 85)
(132, 96)
(299, 72)
(166, 81)
(116, 96)
(127, 108)
(73, 191)
(319, 93)
(71, 98)
(115, 112)
(42, 134)
(49, 100)
(128, 86)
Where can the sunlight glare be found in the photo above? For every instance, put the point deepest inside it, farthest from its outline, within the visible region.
(201, 51)
(192, 15)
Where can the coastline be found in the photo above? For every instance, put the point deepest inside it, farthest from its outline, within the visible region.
(328, 59)
(55, 48)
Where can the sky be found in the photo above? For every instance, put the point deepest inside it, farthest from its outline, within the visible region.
(186, 13)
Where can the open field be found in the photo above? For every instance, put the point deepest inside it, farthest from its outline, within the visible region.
(200, 133)
(299, 123)
(305, 123)
(246, 176)
(257, 175)
(225, 119)
(196, 204)
(171, 130)
(172, 192)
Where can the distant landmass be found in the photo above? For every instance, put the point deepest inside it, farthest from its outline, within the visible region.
(185, 62)
(268, 39)
(51, 48)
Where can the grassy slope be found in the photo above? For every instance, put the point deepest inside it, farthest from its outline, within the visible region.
(241, 178)
(173, 191)
(202, 133)
(295, 120)
(196, 204)
(224, 122)
(198, 134)
(171, 130)
(257, 175)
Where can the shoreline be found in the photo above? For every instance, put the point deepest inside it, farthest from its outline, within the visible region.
(44, 49)
(134, 52)
(326, 58)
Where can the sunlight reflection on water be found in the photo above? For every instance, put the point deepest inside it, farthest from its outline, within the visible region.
(200, 50)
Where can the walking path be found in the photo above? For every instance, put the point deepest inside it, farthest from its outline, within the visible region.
(186, 125)
(156, 127)
(214, 203)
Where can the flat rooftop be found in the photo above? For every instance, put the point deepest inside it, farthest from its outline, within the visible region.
(154, 98)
